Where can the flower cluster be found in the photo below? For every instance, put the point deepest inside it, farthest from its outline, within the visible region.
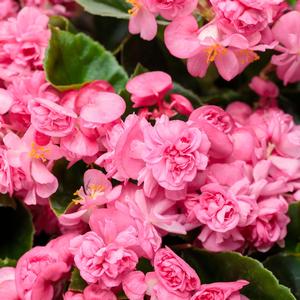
(166, 168)
(233, 34)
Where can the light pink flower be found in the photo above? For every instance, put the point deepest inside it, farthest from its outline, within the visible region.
(270, 225)
(8, 289)
(51, 118)
(8, 8)
(142, 21)
(172, 9)
(134, 285)
(149, 88)
(217, 124)
(174, 152)
(6, 101)
(174, 273)
(221, 291)
(37, 273)
(231, 240)
(24, 39)
(69, 295)
(239, 111)
(286, 32)
(264, 88)
(99, 262)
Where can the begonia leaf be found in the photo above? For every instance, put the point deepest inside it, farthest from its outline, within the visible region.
(73, 60)
(231, 266)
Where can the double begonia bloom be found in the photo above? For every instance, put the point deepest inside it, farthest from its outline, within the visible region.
(286, 32)
(174, 273)
(149, 88)
(221, 291)
(24, 39)
(134, 285)
(37, 273)
(245, 16)
(174, 152)
(102, 263)
(231, 53)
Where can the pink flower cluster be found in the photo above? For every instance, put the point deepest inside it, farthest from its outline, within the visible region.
(108, 269)
(236, 31)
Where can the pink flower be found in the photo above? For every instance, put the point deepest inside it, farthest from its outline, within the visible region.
(264, 88)
(8, 289)
(149, 88)
(246, 16)
(239, 111)
(174, 273)
(24, 39)
(51, 118)
(221, 291)
(142, 21)
(270, 225)
(217, 209)
(172, 9)
(231, 240)
(95, 292)
(217, 124)
(134, 285)
(97, 191)
(69, 295)
(8, 8)
(6, 178)
(99, 262)
(231, 53)
(181, 104)
(286, 32)
(174, 152)
(38, 272)
(6, 101)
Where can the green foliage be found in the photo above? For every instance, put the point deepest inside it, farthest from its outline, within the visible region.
(231, 266)
(77, 284)
(16, 231)
(73, 60)
(70, 180)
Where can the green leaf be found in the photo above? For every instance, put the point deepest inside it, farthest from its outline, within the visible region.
(73, 60)
(6, 201)
(195, 99)
(292, 239)
(231, 266)
(286, 267)
(106, 8)
(16, 231)
(70, 180)
(7, 262)
(77, 284)
(61, 23)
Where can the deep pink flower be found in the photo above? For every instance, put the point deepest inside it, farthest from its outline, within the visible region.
(181, 104)
(37, 273)
(174, 273)
(96, 292)
(221, 291)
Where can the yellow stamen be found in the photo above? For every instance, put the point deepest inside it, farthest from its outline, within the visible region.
(136, 5)
(95, 190)
(213, 51)
(78, 199)
(247, 56)
(38, 152)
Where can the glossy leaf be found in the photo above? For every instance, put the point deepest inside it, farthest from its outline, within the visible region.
(16, 231)
(77, 284)
(73, 60)
(231, 266)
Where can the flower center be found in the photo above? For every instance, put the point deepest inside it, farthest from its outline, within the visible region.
(136, 5)
(213, 51)
(38, 152)
(247, 56)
